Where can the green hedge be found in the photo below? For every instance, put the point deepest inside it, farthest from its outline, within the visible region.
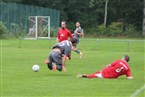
(3, 30)
(115, 29)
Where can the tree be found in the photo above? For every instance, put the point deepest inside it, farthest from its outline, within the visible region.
(91, 12)
(144, 19)
(11, 1)
(105, 16)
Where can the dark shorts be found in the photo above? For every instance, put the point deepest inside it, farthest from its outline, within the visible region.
(78, 40)
(55, 57)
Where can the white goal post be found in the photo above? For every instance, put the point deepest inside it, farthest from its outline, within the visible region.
(39, 27)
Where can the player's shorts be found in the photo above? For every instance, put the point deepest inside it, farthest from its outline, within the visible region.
(55, 57)
(99, 74)
(107, 73)
(78, 40)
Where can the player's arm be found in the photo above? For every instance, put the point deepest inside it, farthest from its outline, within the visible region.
(46, 61)
(58, 36)
(57, 39)
(64, 58)
(128, 75)
(79, 32)
(63, 62)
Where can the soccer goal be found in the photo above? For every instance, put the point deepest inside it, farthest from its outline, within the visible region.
(39, 27)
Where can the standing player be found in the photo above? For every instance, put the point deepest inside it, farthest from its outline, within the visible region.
(63, 33)
(59, 54)
(113, 70)
(77, 34)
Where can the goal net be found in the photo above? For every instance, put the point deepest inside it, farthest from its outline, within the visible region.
(39, 27)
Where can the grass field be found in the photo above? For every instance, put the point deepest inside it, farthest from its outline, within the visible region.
(18, 79)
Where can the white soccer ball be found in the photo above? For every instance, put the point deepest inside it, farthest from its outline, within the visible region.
(35, 68)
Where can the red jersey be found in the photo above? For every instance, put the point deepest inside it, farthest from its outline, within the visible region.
(116, 69)
(63, 34)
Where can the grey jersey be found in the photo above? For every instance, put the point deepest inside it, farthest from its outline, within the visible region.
(65, 47)
(79, 30)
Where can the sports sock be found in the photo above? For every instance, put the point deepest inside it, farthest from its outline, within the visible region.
(77, 51)
(91, 76)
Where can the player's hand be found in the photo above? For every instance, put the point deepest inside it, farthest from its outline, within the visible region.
(64, 69)
(46, 61)
(76, 32)
(130, 77)
(57, 40)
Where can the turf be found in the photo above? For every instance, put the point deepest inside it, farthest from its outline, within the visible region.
(18, 79)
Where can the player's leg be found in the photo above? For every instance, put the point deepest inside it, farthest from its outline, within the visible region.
(77, 44)
(94, 75)
(77, 51)
(50, 61)
(87, 76)
(82, 75)
(58, 61)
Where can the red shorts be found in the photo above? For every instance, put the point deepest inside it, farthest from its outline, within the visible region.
(104, 75)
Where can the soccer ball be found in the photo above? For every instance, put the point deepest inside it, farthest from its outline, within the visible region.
(35, 68)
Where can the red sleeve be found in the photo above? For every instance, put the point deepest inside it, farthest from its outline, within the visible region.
(128, 73)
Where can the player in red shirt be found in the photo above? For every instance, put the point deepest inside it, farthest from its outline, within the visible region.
(63, 33)
(113, 70)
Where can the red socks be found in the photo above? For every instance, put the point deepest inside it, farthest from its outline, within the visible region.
(91, 76)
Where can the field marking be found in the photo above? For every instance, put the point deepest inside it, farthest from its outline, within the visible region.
(1, 67)
(136, 40)
(140, 40)
(138, 91)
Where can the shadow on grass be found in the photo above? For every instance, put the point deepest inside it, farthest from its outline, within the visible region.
(59, 74)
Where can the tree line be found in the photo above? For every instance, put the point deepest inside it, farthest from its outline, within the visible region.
(90, 13)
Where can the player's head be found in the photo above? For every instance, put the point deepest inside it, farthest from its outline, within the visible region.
(126, 58)
(74, 41)
(63, 24)
(77, 24)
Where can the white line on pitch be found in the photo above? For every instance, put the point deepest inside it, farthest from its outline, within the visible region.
(138, 91)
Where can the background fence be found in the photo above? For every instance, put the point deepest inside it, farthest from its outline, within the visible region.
(120, 45)
(15, 16)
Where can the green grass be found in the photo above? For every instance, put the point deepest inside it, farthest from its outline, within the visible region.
(18, 79)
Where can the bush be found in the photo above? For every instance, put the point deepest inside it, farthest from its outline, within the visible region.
(52, 32)
(130, 31)
(115, 29)
(102, 29)
(3, 30)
